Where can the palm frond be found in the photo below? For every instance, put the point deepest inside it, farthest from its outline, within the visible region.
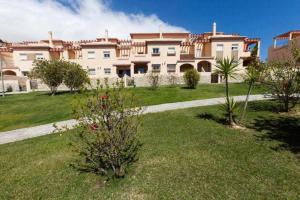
(227, 67)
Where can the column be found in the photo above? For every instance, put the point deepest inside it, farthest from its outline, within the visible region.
(28, 87)
(290, 36)
(132, 69)
(148, 67)
(274, 43)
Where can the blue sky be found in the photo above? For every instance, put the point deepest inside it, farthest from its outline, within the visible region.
(254, 18)
(88, 19)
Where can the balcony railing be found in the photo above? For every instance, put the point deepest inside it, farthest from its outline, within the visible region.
(187, 56)
(155, 53)
(171, 53)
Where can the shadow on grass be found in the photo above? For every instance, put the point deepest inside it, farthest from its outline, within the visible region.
(270, 105)
(187, 88)
(61, 93)
(283, 129)
(209, 116)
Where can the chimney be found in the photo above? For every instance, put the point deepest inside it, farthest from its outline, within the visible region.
(214, 29)
(106, 35)
(160, 32)
(50, 39)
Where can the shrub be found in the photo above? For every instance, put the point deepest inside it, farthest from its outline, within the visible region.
(75, 77)
(108, 131)
(172, 80)
(229, 108)
(154, 79)
(9, 88)
(131, 82)
(191, 78)
(51, 72)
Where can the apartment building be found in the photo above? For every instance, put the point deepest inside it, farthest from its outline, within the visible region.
(163, 53)
(282, 44)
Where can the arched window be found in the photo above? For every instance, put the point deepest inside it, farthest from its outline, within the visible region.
(9, 72)
(186, 67)
(204, 66)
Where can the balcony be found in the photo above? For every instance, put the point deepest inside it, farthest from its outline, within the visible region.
(155, 53)
(171, 53)
(246, 54)
(187, 56)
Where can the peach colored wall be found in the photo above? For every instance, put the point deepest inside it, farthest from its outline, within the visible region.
(130, 55)
(282, 52)
(164, 59)
(227, 50)
(27, 65)
(99, 63)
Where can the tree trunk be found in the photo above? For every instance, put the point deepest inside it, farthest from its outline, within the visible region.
(53, 90)
(246, 101)
(286, 103)
(228, 102)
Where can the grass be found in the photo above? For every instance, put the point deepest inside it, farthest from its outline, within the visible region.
(184, 156)
(25, 110)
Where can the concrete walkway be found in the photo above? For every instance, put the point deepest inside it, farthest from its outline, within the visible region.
(31, 132)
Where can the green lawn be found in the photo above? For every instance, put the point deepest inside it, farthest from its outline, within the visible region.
(25, 110)
(186, 155)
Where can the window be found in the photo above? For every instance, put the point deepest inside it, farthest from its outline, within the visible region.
(171, 68)
(219, 53)
(107, 71)
(39, 56)
(141, 70)
(106, 54)
(220, 47)
(155, 51)
(156, 67)
(92, 71)
(23, 56)
(171, 51)
(235, 51)
(198, 52)
(234, 47)
(91, 55)
(25, 73)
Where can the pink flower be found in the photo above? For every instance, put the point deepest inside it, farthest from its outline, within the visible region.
(104, 97)
(94, 126)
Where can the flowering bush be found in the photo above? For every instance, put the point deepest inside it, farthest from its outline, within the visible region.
(108, 129)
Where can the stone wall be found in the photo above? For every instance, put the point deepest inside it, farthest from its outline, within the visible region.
(139, 81)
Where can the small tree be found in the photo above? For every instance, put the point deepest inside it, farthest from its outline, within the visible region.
(228, 68)
(252, 75)
(51, 72)
(172, 80)
(75, 77)
(109, 122)
(283, 80)
(154, 79)
(191, 78)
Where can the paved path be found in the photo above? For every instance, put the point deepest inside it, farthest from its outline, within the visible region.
(25, 133)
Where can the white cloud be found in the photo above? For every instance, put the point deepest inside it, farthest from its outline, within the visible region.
(32, 19)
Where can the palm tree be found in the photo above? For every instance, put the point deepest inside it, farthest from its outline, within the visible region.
(228, 68)
(252, 75)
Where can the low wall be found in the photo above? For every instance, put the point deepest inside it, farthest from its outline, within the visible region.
(10, 84)
(138, 81)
